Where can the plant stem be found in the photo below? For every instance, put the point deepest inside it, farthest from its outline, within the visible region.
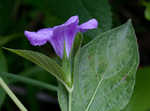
(70, 100)
(12, 95)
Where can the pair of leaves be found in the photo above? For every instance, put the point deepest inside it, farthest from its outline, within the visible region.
(104, 71)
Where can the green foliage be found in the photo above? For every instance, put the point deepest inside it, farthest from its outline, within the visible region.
(2, 97)
(147, 12)
(104, 72)
(43, 61)
(141, 95)
(104, 69)
(3, 67)
(16, 78)
(147, 8)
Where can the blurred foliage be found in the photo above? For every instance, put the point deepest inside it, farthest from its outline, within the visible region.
(147, 8)
(19, 15)
(3, 68)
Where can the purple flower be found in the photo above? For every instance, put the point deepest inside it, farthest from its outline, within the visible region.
(60, 34)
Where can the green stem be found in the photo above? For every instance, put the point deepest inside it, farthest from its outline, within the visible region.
(11, 95)
(70, 100)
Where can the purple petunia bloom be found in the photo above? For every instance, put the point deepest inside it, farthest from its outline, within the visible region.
(60, 34)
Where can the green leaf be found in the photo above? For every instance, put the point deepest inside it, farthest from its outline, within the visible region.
(3, 67)
(141, 96)
(104, 72)
(43, 61)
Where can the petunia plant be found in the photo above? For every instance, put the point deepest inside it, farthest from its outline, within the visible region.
(97, 76)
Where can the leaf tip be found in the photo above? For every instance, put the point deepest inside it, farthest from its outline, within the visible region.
(129, 22)
(5, 48)
(8, 49)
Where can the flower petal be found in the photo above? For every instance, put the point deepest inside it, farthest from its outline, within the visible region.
(60, 34)
(73, 19)
(40, 37)
(91, 24)
(64, 33)
(69, 37)
(57, 41)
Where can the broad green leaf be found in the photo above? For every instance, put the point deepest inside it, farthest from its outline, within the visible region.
(104, 72)
(43, 61)
(141, 97)
(3, 67)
